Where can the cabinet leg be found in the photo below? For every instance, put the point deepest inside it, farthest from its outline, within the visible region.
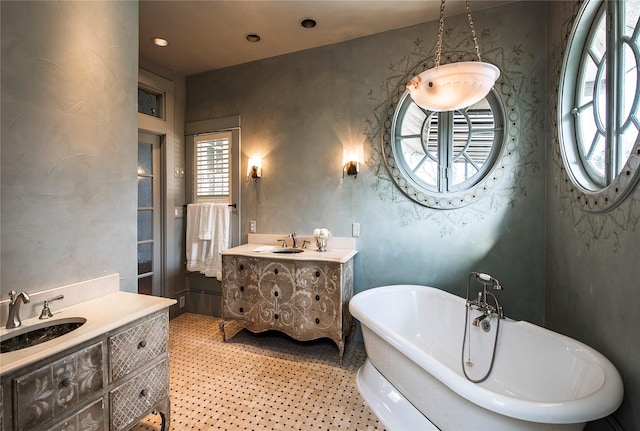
(166, 421)
(164, 410)
(224, 336)
(165, 417)
(341, 349)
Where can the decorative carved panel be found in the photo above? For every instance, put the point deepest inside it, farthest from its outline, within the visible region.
(70, 390)
(88, 419)
(138, 345)
(50, 390)
(131, 400)
(306, 300)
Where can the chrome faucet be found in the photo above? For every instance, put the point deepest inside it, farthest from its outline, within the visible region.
(481, 303)
(479, 319)
(13, 321)
(46, 311)
(294, 240)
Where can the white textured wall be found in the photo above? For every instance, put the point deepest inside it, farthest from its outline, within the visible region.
(69, 143)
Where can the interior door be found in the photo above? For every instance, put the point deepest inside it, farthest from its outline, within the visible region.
(149, 215)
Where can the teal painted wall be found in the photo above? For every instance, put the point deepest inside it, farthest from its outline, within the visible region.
(69, 143)
(592, 260)
(69, 185)
(303, 110)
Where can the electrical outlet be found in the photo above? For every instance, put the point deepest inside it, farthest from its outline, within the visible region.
(252, 226)
(181, 301)
(355, 229)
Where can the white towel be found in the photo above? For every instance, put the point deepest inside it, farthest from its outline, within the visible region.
(207, 219)
(207, 237)
(193, 243)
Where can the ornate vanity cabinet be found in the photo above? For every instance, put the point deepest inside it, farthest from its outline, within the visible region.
(106, 375)
(304, 295)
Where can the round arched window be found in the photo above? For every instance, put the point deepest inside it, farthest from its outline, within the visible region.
(598, 103)
(446, 152)
(445, 160)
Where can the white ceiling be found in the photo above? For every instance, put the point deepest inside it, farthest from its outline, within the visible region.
(207, 35)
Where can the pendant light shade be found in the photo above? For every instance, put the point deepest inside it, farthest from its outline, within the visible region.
(453, 86)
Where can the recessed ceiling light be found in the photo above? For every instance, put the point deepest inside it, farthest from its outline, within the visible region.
(308, 23)
(252, 37)
(158, 41)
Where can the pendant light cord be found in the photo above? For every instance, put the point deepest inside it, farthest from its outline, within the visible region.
(473, 30)
(441, 31)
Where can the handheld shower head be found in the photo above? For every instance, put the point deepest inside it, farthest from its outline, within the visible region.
(487, 279)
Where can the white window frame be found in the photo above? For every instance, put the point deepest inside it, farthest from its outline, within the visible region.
(219, 125)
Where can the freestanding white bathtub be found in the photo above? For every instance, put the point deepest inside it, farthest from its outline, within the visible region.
(413, 376)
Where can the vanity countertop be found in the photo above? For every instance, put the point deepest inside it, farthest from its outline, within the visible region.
(102, 315)
(339, 255)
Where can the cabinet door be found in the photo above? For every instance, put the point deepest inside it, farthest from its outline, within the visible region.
(50, 390)
(90, 418)
(321, 281)
(239, 286)
(138, 395)
(275, 304)
(137, 345)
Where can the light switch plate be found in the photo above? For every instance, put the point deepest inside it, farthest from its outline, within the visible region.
(355, 229)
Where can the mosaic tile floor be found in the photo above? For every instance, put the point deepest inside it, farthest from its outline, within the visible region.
(259, 382)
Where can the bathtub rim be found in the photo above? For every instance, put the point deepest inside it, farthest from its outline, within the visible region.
(582, 409)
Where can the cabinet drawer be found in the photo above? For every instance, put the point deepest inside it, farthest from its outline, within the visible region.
(240, 284)
(90, 418)
(50, 390)
(137, 396)
(138, 345)
(319, 279)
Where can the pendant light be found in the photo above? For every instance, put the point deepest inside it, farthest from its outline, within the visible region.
(455, 85)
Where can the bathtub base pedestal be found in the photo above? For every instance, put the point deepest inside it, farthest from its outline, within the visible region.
(389, 405)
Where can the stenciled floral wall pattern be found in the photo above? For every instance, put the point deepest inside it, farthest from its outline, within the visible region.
(520, 94)
(591, 258)
(343, 96)
(592, 228)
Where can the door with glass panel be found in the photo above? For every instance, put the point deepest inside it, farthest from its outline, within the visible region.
(149, 215)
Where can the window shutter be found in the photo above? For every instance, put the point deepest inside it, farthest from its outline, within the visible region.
(212, 168)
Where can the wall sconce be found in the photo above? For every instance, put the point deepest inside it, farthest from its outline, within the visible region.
(351, 168)
(255, 168)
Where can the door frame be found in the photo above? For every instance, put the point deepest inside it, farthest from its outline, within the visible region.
(158, 195)
(164, 128)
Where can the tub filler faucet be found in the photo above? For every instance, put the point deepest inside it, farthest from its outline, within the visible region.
(483, 321)
(13, 321)
(477, 320)
(481, 303)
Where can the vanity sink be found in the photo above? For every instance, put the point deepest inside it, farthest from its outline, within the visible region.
(287, 250)
(40, 333)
